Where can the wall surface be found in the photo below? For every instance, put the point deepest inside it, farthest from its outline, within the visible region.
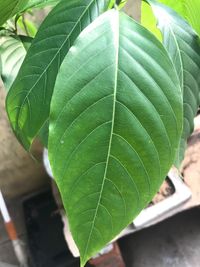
(19, 173)
(133, 9)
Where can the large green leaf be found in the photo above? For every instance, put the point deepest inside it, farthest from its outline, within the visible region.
(12, 53)
(115, 125)
(188, 9)
(28, 101)
(182, 44)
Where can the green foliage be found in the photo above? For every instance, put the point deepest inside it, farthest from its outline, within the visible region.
(9, 8)
(148, 20)
(182, 44)
(12, 52)
(36, 78)
(110, 98)
(93, 113)
(188, 9)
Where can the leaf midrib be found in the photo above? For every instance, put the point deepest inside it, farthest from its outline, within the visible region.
(116, 41)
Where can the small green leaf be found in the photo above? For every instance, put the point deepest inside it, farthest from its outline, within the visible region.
(182, 44)
(28, 101)
(116, 109)
(12, 53)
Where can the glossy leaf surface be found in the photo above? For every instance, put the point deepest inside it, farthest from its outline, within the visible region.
(188, 9)
(116, 109)
(182, 44)
(28, 101)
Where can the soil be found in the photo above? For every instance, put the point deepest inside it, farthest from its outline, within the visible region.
(189, 169)
(167, 189)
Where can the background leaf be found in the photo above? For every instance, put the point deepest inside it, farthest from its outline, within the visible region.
(116, 108)
(28, 101)
(182, 44)
(39, 4)
(148, 20)
(12, 52)
(27, 26)
(9, 8)
(188, 9)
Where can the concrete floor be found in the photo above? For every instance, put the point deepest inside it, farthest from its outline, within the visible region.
(174, 243)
